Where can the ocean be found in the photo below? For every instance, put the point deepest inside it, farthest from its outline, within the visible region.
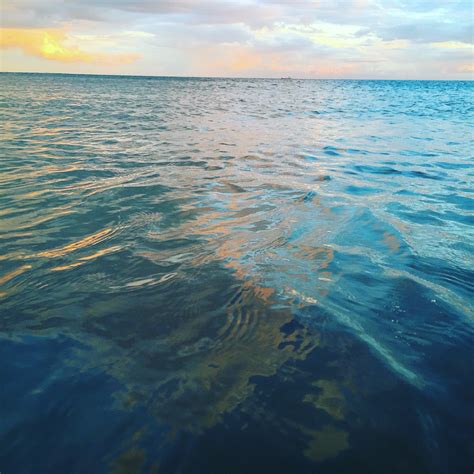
(236, 275)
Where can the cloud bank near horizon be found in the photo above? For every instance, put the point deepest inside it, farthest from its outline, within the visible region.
(266, 38)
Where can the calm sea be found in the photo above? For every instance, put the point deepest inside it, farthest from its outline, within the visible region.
(236, 276)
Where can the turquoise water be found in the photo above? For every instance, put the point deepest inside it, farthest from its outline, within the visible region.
(235, 276)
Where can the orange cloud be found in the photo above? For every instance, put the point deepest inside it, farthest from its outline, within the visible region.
(53, 44)
(245, 60)
(237, 59)
(466, 68)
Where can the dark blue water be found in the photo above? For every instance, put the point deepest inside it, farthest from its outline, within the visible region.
(236, 276)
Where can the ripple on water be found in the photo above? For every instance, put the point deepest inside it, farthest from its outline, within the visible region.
(192, 265)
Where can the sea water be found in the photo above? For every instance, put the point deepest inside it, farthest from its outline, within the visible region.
(235, 276)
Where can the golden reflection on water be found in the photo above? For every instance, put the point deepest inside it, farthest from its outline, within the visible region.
(13, 224)
(35, 194)
(84, 242)
(14, 273)
(31, 175)
(10, 275)
(87, 258)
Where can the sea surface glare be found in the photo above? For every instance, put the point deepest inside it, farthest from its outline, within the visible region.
(223, 276)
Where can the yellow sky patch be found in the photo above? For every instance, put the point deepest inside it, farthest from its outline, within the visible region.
(245, 60)
(238, 59)
(469, 67)
(55, 44)
(453, 45)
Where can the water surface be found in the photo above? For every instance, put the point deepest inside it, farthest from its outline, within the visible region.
(235, 276)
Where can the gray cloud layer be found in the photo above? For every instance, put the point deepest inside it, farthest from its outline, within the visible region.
(414, 20)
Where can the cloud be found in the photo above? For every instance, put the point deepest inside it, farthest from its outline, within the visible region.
(53, 44)
(415, 20)
(428, 32)
(360, 38)
(212, 12)
(468, 67)
(297, 58)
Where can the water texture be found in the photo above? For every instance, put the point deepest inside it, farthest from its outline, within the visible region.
(235, 276)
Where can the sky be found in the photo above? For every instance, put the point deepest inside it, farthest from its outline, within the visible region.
(386, 39)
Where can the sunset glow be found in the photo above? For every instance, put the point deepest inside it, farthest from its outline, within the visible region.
(248, 38)
(54, 45)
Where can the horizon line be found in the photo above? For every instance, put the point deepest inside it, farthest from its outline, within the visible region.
(232, 77)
